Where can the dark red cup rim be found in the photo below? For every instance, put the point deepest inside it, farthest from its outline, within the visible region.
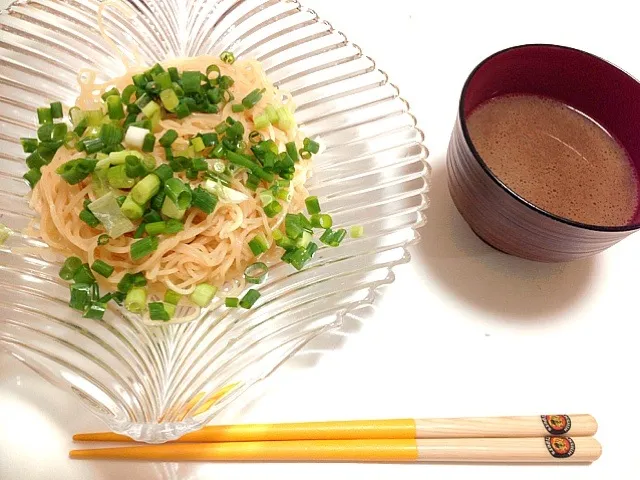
(484, 166)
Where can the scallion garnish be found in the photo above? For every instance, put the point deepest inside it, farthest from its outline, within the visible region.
(168, 138)
(356, 231)
(102, 268)
(158, 312)
(69, 268)
(172, 297)
(103, 239)
(256, 273)
(313, 205)
(83, 274)
(136, 300)
(44, 115)
(204, 200)
(178, 192)
(258, 244)
(203, 294)
(321, 220)
(32, 177)
(143, 247)
(250, 298)
(227, 57)
(89, 218)
(146, 188)
(80, 296)
(231, 302)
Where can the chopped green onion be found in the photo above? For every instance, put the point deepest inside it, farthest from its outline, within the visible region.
(299, 258)
(146, 188)
(139, 280)
(225, 82)
(292, 226)
(178, 192)
(103, 239)
(237, 108)
(227, 57)
(252, 182)
(321, 220)
(218, 166)
(157, 311)
(258, 244)
(198, 144)
(149, 163)
(134, 167)
(113, 91)
(127, 93)
(213, 68)
(135, 136)
(95, 310)
(173, 226)
(131, 209)
(292, 151)
(326, 236)
(69, 268)
(139, 233)
(209, 139)
(155, 228)
(261, 121)
(157, 201)
(171, 210)
(173, 73)
(304, 154)
(89, 218)
(304, 239)
(310, 146)
(163, 79)
(243, 161)
(102, 268)
(199, 164)
(252, 98)
(168, 138)
(272, 209)
(44, 115)
(74, 171)
(256, 273)
(32, 177)
(29, 145)
(266, 197)
(80, 296)
(152, 216)
(126, 283)
(203, 294)
(182, 110)
(114, 107)
(170, 308)
(143, 247)
(231, 302)
(250, 298)
(356, 231)
(285, 119)
(221, 128)
(83, 274)
(34, 160)
(191, 81)
(93, 145)
(312, 248)
(313, 206)
(56, 110)
(111, 134)
(172, 297)
(204, 200)
(118, 178)
(164, 172)
(148, 142)
(136, 300)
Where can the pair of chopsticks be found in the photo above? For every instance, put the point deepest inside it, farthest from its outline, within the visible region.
(532, 439)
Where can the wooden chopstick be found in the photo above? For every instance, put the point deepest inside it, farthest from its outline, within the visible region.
(489, 450)
(480, 427)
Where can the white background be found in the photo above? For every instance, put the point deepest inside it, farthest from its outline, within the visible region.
(464, 330)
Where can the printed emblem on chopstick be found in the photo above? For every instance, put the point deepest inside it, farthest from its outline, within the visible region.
(556, 424)
(560, 447)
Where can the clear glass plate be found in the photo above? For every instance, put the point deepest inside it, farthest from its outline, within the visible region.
(156, 384)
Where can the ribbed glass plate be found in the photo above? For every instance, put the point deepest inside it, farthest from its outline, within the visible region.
(157, 383)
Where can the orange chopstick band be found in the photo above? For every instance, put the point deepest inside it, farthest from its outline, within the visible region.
(337, 430)
(396, 450)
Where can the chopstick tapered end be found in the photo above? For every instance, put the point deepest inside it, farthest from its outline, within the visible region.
(101, 437)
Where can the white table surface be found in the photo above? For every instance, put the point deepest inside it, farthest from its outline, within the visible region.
(495, 335)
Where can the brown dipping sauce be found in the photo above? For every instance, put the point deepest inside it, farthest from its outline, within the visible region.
(556, 158)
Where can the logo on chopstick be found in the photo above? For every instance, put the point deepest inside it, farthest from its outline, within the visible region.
(556, 424)
(560, 447)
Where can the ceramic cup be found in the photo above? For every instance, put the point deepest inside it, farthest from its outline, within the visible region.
(497, 214)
